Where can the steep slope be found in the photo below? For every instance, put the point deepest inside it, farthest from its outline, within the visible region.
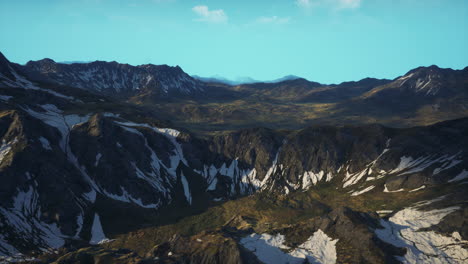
(426, 82)
(112, 78)
(425, 93)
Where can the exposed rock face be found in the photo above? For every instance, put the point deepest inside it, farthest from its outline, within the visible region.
(352, 233)
(255, 148)
(112, 78)
(357, 241)
(323, 150)
(412, 157)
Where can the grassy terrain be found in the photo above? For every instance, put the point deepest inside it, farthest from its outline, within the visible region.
(262, 213)
(210, 117)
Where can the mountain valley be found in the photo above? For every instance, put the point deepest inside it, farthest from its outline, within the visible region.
(104, 162)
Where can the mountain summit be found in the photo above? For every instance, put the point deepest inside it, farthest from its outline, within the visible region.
(112, 78)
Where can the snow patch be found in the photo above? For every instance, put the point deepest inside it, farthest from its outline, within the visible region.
(171, 134)
(90, 196)
(351, 179)
(24, 217)
(310, 178)
(5, 148)
(186, 187)
(212, 185)
(384, 212)
(404, 230)
(111, 115)
(45, 143)
(375, 178)
(418, 189)
(127, 198)
(404, 79)
(363, 191)
(460, 177)
(447, 166)
(16, 258)
(97, 234)
(387, 191)
(22, 82)
(409, 165)
(271, 171)
(246, 179)
(5, 98)
(79, 223)
(319, 248)
(354, 178)
(98, 158)
(267, 248)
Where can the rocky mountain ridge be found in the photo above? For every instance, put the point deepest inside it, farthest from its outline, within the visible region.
(112, 78)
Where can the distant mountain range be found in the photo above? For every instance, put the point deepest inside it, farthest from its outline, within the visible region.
(71, 62)
(104, 162)
(242, 80)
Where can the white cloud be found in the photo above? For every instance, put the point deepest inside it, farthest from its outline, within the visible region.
(306, 3)
(349, 3)
(273, 20)
(337, 4)
(207, 15)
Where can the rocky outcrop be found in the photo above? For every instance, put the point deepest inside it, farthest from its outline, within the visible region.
(354, 232)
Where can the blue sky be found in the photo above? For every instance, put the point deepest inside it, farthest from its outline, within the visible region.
(322, 40)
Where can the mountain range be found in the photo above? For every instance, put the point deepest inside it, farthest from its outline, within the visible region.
(242, 80)
(104, 162)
